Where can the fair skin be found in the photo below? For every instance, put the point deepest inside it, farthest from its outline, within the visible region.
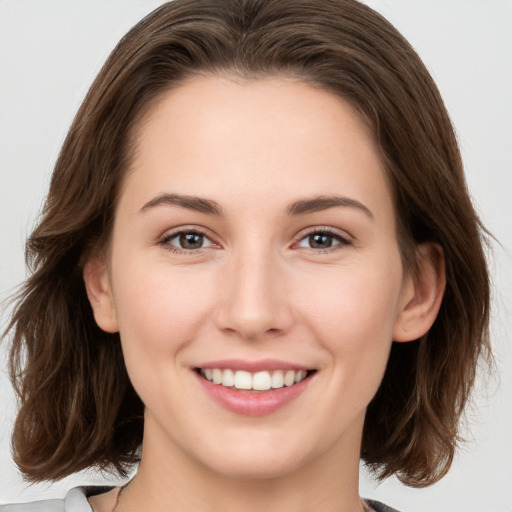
(316, 285)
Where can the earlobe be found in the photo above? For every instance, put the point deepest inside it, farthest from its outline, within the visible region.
(423, 294)
(99, 292)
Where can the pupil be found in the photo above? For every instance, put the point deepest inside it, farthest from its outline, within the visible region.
(319, 241)
(191, 241)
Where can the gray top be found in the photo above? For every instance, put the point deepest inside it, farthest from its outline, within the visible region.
(76, 501)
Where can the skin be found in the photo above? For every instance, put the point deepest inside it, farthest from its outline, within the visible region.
(256, 289)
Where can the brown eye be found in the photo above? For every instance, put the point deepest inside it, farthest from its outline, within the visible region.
(323, 240)
(191, 240)
(187, 241)
(320, 241)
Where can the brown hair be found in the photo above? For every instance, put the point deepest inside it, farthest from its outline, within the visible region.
(77, 406)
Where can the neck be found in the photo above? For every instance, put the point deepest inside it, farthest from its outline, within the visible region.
(168, 476)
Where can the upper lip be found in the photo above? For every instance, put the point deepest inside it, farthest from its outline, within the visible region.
(252, 365)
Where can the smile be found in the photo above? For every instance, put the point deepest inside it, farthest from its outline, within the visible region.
(257, 381)
(254, 388)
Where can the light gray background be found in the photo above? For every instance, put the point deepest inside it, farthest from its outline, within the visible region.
(51, 50)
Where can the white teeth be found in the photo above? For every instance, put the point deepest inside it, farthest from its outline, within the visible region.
(217, 376)
(289, 378)
(228, 378)
(243, 380)
(259, 381)
(300, 375)
(277, 379)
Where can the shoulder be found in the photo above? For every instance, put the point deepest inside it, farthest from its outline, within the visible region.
(35, 506)
(377, 506)
(75, 501)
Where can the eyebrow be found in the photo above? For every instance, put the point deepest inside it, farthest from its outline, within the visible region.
(301, 207)
(319, 203)
(197, 204)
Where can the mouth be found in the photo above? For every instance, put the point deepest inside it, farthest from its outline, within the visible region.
(254, 388)
(254, 382)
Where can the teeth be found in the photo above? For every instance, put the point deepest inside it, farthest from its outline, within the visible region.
(259, 381)
(277, 379)
(228, 378)
(300, 375)
(217, 376)
(243, 380)
(289, 378)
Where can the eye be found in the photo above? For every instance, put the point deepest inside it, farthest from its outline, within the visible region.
(186, 241)
(323, 240)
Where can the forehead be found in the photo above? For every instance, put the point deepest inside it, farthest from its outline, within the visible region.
(276, 136)
(269, 108)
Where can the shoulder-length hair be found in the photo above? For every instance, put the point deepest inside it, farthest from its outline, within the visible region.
(77, 406)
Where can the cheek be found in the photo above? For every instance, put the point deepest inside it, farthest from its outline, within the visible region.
(353, 316)
(160, 310)
(159, 299)
(354, 304)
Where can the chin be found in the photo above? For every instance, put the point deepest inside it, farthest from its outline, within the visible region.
(256, 469)
(256, 460)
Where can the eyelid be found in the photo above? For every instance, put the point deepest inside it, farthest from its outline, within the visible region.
(173, 233)
(343, 237)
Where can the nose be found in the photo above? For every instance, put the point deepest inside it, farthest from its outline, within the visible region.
(253, 299)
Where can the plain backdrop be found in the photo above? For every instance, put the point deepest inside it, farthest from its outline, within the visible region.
(50, 50)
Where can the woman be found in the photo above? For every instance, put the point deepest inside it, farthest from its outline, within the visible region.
(255, 200)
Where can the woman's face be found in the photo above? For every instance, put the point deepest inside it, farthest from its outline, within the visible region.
(254, 243)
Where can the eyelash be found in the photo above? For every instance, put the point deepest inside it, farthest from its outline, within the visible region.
(325, 231)
(165, 242)
(344, 240)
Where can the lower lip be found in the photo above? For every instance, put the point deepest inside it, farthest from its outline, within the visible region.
(253, 404)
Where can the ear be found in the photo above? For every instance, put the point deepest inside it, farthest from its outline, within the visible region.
(422, 294)
(99, 292)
